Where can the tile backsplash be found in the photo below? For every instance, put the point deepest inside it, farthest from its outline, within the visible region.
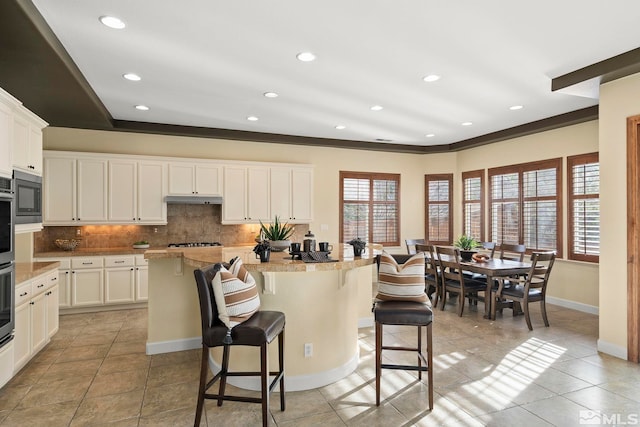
(185, 223)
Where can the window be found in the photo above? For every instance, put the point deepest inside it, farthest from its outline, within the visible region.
(473, 204)
(438, 197)
(526, 205)
(584, 207)
(370, 205)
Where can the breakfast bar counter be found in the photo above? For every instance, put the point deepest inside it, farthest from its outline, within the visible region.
(324, 304)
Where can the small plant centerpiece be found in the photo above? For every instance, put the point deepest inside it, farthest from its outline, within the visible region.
(278, 234)
(467, 246)
(358, 246)
(263, 250)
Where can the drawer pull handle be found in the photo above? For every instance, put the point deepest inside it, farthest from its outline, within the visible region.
(40, 286)
(119, 262)
(25, 294)
(87, 263)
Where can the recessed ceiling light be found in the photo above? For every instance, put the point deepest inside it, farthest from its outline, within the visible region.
(377, 107)
(340, 127)
(270, 95)
(467, 124)
(252, 118)
(430, 135)
(431, 78)
(516, 107)
(112, 22)
(306, 56)
(133, 77)
(142, 107)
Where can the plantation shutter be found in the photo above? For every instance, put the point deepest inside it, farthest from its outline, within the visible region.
(473, 212)
(438, 208)
(584, 205)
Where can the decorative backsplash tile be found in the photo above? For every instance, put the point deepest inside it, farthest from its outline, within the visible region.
(185, 223)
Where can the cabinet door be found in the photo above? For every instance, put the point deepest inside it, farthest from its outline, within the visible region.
(59, 191)
(151, 191)
(235, 199)
(52, 310)
(6, 147)
(122, 191)
(64, 289)
(22, 336)
(87, 287)
(35, 150)
(119, 285)
(92, 190)
(142, 283)
(181, 179)
(280, 185)
(38, 322)
(302, 195)
(258, 194)
(208, 180)
(21, 143)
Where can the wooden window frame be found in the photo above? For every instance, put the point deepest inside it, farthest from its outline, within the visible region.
(438, 177)
(572, 161)
(520, 169)
(371, 176)
(470, 175)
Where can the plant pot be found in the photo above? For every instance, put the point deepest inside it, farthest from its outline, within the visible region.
(357, 251)
(280, 245)
(466, 255)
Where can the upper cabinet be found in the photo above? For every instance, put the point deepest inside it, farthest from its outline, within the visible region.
(136, 192)
(20, 137)
(203, 179)
(291, 191)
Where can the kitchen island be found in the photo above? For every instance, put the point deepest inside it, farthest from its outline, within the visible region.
(324, 305)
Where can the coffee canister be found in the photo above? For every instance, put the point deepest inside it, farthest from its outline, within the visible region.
(309, 242)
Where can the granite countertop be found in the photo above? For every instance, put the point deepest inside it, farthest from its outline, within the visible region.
(28, 270)
(93, 252)
(279, 261)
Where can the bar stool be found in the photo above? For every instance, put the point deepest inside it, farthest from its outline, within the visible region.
(410, 313)
(258, 331)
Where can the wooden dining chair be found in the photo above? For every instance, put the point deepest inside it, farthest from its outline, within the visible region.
(531, 287)
(453, 279)
(411, 245)
(431, 273)
(512, 252)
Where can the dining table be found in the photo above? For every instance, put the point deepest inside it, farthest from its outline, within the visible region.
(493, 268)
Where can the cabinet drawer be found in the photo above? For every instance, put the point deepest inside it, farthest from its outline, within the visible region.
(23, 293)
(140, 260)
(119, 261)
(87, 262)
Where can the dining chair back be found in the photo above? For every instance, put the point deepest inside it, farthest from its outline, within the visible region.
(488, 248)
(512, 252)
(453, 278)
(431, 272)
(411, 245)
(531, 287)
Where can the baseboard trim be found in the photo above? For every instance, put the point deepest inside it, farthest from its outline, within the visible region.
(592, 309)
(612, 349)
(173, 345)
(294, 383)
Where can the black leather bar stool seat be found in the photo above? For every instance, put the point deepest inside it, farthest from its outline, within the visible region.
(257, 331)
(410, 314)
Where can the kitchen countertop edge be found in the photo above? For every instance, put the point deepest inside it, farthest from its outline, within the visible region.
(26, 271)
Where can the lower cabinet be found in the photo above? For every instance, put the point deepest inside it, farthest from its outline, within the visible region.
(119, 280)
(142, 278)
(87, 281)
(36, 317)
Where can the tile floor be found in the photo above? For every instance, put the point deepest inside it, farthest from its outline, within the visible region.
(95, 372)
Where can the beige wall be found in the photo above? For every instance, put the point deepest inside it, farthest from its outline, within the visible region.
(618, 100)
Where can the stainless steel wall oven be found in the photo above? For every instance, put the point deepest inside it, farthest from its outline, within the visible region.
(7, 266)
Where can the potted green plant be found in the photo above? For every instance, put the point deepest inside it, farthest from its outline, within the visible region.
(358, 246)
(466, 244)
(263, 250)
(277, 233)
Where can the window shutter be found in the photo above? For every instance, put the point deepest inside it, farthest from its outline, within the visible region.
(584, 204)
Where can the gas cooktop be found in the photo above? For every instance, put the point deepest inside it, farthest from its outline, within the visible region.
(194, 244)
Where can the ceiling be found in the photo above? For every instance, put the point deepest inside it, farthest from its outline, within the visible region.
(205, 66)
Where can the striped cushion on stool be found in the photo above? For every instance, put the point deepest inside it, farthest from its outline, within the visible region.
(401, 282)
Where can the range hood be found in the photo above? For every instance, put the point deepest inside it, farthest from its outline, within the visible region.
(194, 199)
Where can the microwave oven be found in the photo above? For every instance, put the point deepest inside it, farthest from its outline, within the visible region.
(28, 197)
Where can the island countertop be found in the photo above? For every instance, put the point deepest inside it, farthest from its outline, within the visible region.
(279, 261)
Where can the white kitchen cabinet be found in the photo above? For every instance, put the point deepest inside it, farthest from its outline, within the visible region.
(142, 278)
(87, 281)
(27, 143)
(22, 330)
(188, 179)
(64, 288)
(6, 168)
(292, 194)
(246, 194)
(74, 191)
(119, 279)
(52, 310)
(136, 192)
(6, 363)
